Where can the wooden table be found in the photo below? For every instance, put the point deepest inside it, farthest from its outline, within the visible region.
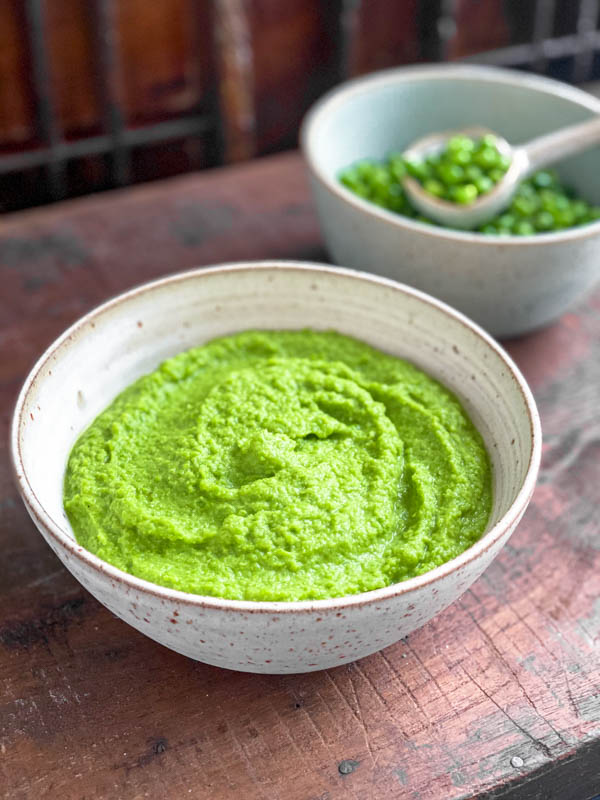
(499, 696)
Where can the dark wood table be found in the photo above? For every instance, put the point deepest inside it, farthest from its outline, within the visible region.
(499, 696)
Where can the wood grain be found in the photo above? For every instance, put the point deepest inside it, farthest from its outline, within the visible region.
(17, 120)
(499, 696)
(381, 40)
(295, 52)
(235, 58)
(479, 27)
(164, 71)
(70, 38)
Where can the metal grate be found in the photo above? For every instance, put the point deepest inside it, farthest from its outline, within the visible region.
(582, 46)
(117, 140)
(577, 51)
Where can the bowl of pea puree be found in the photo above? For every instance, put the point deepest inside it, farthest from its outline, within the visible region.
(514, 273)
(275, 466)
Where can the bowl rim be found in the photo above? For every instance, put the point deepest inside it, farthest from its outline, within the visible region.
(44, 520)
(422, 72)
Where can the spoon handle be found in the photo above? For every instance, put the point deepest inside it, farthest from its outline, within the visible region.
(562, 143)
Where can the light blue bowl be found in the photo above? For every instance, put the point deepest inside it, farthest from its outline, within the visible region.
(510, 285)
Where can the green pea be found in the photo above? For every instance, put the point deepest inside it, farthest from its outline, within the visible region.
(495, 174)
(507, 220)
(434, 159)
(397, 169)
(473, 173)
(488, 140)
(547, 200)
(561, 202)
(564, 217)
(524, 228)
(462, 157)
(362, 191)
(364, 169)
(418, 169)
(465, 193)
(350, 179)
(458, 143)
(524, 206)
(487, 158)
(579, 209)
(543, 179)
(544, 221)
(451, 174)
(380, 179)
(526, 189)
(434, 187)
(484, 184)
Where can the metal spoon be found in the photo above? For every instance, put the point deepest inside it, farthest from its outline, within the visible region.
(525, 159)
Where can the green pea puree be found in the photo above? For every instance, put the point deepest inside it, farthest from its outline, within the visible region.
(280, 465)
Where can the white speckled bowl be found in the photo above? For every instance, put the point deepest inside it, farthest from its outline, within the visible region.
(79, 375)
(510, 285)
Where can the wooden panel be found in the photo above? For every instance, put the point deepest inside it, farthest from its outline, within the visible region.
(295, 60)
(165, 56)
(16, 112)
(480, 25)
(385, 35)
(498, 696)
(73, 66)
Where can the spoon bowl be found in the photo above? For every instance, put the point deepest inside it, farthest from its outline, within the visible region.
(486, 206)
(524, 160)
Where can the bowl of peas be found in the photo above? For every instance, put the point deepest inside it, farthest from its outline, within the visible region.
(516, 272)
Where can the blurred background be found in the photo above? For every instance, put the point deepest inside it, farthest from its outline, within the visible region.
(96, 94)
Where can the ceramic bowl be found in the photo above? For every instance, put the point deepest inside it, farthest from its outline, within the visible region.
(81, 373)
(510, 285)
